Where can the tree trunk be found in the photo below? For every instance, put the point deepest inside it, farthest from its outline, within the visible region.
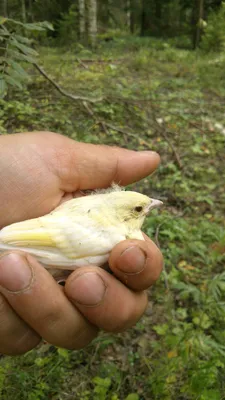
(198, 15)
(5, 8)
(23, 11)
(158, 16)
(181, 16)
(82, 25)
(105, 12)
(31, 15)
(132, 16)
(158, 10)
(92, 22)
(128, 12)
(145, 18)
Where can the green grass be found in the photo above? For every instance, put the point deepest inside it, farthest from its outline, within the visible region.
(171, 101)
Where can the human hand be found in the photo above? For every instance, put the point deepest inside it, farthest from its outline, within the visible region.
(37, 172)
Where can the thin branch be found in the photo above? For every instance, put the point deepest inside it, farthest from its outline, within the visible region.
(124, 132)
(88, 108)
(92, 114)
(161, 128)
(175, 153)
(157, 235)
(86, 60)
(62, 91)
(137, 102)
(106, 125)
(81, 63)
(158, 245)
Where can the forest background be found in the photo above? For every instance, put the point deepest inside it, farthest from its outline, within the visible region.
(141, 74)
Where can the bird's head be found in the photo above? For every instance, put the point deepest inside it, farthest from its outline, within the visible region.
(132, 207)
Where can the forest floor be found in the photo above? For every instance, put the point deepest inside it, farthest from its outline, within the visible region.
(169, 100)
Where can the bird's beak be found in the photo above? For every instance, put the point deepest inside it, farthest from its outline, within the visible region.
(154, 204)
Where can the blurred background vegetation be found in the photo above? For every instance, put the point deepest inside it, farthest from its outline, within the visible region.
(142, 74)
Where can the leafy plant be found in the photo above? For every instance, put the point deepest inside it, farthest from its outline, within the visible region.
(16, 49)
(214, 32)
(67, 27)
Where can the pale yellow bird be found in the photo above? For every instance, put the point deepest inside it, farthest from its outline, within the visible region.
(81, 231)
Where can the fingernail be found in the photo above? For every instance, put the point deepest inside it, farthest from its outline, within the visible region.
(88, 289)
(15, 273)
(132, 261)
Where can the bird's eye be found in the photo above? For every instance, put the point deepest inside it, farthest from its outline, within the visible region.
(138, 208)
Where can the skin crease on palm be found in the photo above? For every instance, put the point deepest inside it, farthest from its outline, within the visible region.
(38, 171)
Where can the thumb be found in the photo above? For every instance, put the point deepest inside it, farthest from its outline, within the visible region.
(87, 166)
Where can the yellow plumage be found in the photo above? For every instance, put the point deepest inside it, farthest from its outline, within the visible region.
(81, 231)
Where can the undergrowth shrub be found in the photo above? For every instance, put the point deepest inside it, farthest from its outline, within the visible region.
(214, 36)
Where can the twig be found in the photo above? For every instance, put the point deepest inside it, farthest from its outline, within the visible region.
(124, 132)
(187, 121)
(157, 235)
(88, 108)
(81, 63)
(175, 153)
(92, 114)
(158, 245)
(62, 91)
(137, 101)
(106, 125)
(161, 128)
(100, 61)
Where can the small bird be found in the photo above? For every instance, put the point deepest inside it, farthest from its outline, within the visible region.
(81, 231)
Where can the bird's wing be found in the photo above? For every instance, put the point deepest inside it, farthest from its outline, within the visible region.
(59, 238)
(28, 233)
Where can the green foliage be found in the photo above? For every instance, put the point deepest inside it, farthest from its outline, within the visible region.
(214, 32)
(174, 19)
(101, 388)
(16, 49)
(132, 396)
(67, 27)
